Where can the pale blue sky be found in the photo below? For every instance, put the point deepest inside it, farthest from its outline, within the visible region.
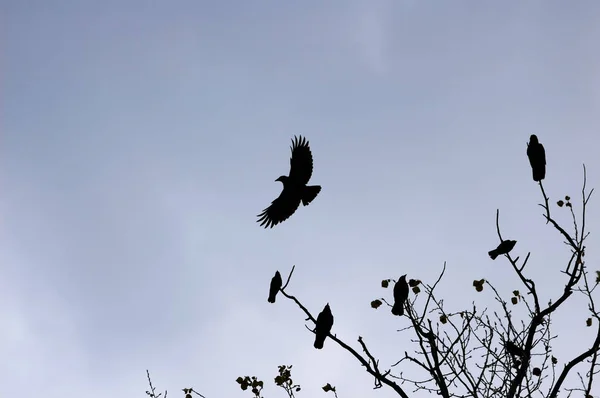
(140, 140)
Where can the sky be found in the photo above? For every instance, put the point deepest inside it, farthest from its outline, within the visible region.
(139, 140)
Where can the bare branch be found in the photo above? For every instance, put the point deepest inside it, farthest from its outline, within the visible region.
(371, 369)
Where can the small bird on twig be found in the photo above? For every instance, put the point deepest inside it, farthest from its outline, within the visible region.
(537, 158)
(323, 327)
(295, 189)
(503, 248)
(400, 296)
(276, 283)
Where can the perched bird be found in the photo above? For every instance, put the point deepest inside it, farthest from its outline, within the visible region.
(295, 189)
(324, 324)
(400, 296)
(537, 158)
(503, 248)
(514, 349)
(276, 283)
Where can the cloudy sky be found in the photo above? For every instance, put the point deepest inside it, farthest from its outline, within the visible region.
(140, 140)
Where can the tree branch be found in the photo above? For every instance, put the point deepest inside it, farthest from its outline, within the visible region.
(372, 370)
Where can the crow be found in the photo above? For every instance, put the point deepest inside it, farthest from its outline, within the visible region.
(295, 189)
(400, 296)
(324, 324)
(513, 349)
(503, 248)
(276, 283)
(537, 158)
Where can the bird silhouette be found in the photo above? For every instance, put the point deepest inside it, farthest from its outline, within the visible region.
(514, 349)
(276, 283)
(503, 248)
(323, 327)
(537, 158)
(295, 189)
(400, 296)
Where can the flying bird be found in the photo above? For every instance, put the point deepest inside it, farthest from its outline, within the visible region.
(276, 283)
(324, 324)
(400, 296)
(503, 248)
(295, 189)
(537, 158)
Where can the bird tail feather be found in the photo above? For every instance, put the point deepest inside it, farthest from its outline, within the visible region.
(310, 193)
(493, 254)
(319, 340)
(398, 310)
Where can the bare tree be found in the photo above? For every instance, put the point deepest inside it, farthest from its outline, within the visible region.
(485, 353)
(476, 352)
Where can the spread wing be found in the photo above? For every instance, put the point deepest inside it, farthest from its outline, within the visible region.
(280, 210)
(301, 162)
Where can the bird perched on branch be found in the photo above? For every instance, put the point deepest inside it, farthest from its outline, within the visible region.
(537, 158)
(503, 248)
(324, 324)
(514, 349)
(400, 296)
(276, 283)
(295, 189)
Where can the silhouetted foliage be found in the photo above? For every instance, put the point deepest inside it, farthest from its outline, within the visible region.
(283, 380)
(400, 296)
(295, 189)
(253, 383)
(276, 283)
